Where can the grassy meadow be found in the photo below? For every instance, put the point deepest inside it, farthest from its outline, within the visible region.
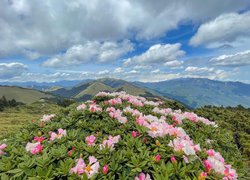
(13, 118)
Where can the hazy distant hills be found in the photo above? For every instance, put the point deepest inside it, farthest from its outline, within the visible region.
(194, 92)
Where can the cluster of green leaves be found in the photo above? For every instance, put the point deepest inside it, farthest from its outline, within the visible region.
(130, 156)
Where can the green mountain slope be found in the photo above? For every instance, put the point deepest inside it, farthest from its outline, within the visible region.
(199, 92)
(23, 95)
(86, 91)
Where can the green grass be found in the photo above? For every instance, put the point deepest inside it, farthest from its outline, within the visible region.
(23, 95)
(12, 119)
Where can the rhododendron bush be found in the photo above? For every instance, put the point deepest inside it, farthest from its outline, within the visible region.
(120, 136)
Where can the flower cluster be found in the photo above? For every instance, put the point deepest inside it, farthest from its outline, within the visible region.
(59, 135)
(90, 169)
(178, 116)
(34, 148)
(115, 101)
(216, 162)
(184, 145)
(47, 118)
(94, 108)
(116, 114)
(143, 176)
(90, 140)
(110, 142)
(81, 107)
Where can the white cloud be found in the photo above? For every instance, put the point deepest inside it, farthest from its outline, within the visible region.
(156, 71)
(174, 64)
(226, 30)
(205, 72)
(104, 72)
(93, 52)
(156, 55)
(9, 70)
(118, 70)
(238, 59)
(49, 27)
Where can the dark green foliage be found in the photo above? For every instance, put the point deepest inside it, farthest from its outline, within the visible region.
(8, 103)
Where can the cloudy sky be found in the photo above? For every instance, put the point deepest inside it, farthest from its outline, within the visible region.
(53, 40)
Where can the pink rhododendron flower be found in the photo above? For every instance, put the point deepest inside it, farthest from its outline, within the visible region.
(115, 101)
(134, 112)
(91, 169)
(173, 160)
(95, 108)
(39, 139)
(185, 145)
(117, 114)
(47, 118)
(81, 107)
(2, 147)
(61, 133)
(151, 103)
(110, 142)
(157, 157)
(105, 169)
(34, 148)
(143, 176)
(134, 134)
(90, 140)
(229, 173)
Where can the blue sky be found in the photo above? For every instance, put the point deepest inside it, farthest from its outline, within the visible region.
(47, 41)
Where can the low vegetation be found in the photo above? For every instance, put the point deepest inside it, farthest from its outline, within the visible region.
(13, 118)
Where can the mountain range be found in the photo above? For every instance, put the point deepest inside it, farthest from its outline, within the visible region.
(193, 92)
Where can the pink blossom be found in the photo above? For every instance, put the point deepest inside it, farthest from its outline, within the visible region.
(115, 101)
(134, 112)
(184, 145)
(39, 139)
(61, 133)
(91, 169)
(157, 157)
(141, 121)
(90, 140)
(47, 118)
(229, 173)
(105, 169)
(117, 114)
(110, 142)
(143, 176)
(2, 147)
(134, 134)
(95, 108)
(81, 107)
(34, 148)
(173, 160)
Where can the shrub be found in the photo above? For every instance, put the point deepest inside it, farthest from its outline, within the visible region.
(119, 136)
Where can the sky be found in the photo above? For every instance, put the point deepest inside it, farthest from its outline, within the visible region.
(142, 40)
